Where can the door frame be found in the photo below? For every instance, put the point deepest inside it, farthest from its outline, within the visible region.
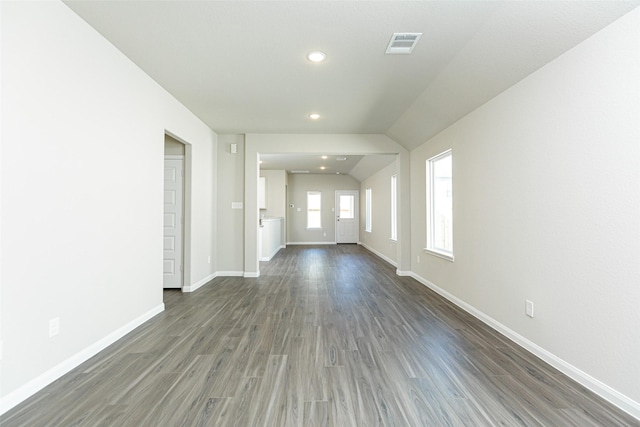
(186, 210)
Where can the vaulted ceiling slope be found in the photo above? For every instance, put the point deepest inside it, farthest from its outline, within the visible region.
(241, 65)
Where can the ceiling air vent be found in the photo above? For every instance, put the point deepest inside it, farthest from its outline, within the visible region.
(402, 43)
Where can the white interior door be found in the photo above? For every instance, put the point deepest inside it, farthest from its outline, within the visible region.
(173, 201)
(347, 218)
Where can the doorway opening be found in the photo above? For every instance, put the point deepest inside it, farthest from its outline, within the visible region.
(175, 218)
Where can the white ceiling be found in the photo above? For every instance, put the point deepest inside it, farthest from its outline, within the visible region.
(311, 163)
(360, 167)
(241, 67)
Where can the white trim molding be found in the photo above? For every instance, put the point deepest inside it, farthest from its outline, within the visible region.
(598, 387)
(229, 273)
(311, 243)
(200, 283)
(448, 257)
(30, 388)
(378, 254)
(251, 274)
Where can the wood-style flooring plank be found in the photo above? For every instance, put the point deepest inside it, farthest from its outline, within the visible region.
(326, 336)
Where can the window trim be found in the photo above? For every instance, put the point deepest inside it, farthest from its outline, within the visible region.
(440, 254)
(430, 225)
(319, 193)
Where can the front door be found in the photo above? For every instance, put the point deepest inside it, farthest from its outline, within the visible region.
(173, 201)
(347, 222)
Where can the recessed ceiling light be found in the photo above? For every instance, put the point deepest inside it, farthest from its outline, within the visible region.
(314, 116)
(324, 157)
(316, 56)
(322, 168)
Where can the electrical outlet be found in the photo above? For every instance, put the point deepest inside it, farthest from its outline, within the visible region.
(324, 234)
(529, 308)
(54, 327)
(418, 258)
(209, 259)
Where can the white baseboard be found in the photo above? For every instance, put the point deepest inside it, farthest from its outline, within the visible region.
(200, 283)
(311, 243)
(598, 387)
(378, 254)
(229, 273)
(251, 274)
(27, 390)
(404, 273)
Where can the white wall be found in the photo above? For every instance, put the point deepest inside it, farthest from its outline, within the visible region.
(82, 219)
(230, 221)
(276, 197)
(379, 239)
(299, 185)
(547, 207)
(201, 188)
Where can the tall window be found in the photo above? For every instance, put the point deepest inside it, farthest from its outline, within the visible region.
(394, 209)
(367, 215)
(313, 209)
(440, 205)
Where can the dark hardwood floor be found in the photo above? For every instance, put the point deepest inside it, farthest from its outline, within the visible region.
(326, 336)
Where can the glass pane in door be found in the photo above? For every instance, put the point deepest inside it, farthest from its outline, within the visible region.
(347, 209)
